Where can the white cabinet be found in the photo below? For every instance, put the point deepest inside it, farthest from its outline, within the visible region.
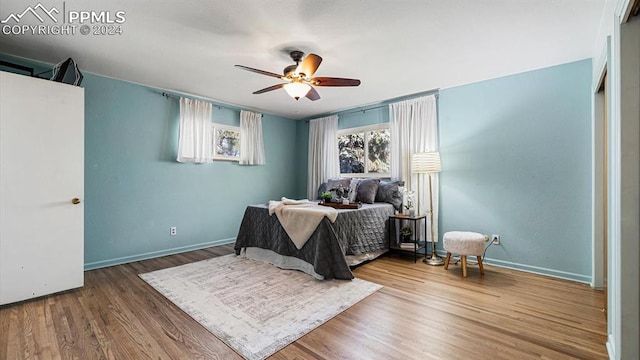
(41, 172)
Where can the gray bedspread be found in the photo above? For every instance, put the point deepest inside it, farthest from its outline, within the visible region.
(354, 232)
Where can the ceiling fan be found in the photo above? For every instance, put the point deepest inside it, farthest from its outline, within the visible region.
(298, 77)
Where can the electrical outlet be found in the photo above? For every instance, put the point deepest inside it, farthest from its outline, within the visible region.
(173, 230)
(495, 239)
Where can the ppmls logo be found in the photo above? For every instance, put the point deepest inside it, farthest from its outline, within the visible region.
(39, 20)
(34, 12)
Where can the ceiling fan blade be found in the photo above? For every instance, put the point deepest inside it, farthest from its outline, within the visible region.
(309, 65)
(259, 71)
(313, 95)
(331, 81)
(270, 88)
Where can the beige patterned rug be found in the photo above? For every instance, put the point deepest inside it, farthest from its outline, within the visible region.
(254, 307)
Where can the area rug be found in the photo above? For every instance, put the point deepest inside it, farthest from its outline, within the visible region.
(255, 307)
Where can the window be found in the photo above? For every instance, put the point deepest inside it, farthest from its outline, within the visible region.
(226, 142)
(365, 151)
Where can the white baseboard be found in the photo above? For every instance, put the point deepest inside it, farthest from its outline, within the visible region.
(155, 254)
(493, 262)
(534, 269)
(611, 350)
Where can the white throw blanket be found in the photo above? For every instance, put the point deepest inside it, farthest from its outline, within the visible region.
(300, 218)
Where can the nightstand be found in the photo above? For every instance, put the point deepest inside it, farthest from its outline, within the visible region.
(415, 246)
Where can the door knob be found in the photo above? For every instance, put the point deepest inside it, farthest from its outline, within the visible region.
(75, 201)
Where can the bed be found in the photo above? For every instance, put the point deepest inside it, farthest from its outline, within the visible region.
(357, 235)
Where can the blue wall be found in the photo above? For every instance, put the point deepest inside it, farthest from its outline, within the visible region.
(516, 155)
(135, 190)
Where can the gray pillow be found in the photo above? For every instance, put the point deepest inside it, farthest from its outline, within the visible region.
(389, 192)
(367, 190)
(334, 184)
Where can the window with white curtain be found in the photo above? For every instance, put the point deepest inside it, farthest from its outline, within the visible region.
(252, 145)
(194, 138)
(226, 142)
(365, 151)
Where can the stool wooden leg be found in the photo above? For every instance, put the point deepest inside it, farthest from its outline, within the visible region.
(480, 265)
(463, 258)
(446, 261)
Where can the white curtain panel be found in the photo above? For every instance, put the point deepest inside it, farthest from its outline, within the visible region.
(323, 153)
(414, 129)
(251, 143)
(195, 139)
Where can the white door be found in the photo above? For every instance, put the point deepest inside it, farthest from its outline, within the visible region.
(41, 172)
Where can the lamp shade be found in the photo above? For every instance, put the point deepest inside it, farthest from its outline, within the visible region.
(426, 162)
(297, 89)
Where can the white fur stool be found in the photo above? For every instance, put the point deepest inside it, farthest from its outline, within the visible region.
(464, 243)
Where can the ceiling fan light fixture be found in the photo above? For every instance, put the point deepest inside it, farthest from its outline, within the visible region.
(297, 89)
(298, 78)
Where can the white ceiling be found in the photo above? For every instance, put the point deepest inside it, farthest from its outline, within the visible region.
(395, 48)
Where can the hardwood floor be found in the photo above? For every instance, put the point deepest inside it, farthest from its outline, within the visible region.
(422, 312)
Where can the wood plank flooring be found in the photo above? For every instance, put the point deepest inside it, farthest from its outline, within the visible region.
(422, 312)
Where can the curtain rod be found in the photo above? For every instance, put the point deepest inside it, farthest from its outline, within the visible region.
(171, 96)
(386, 103)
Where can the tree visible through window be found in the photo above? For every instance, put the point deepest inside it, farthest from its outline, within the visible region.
(365, 150)
(351, 149)
(379, 152)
